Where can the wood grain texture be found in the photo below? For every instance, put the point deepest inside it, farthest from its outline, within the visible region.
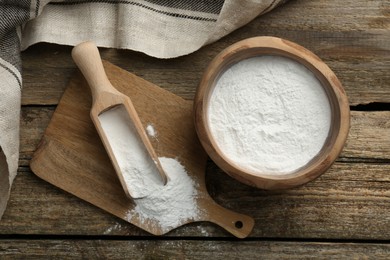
(355, 43)
(351, 201)
(368, 137)
(185, 249)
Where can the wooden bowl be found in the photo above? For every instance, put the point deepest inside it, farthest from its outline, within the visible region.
(338, 101)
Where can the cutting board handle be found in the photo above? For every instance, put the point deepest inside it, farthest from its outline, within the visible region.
(237, 224)
(86, 56)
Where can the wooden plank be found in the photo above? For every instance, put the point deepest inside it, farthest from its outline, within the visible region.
(339, 204)
(355, 44)
(350, 201)
(47, 68)
(318, 14)
(33, 122)
(369, 135)
(187, 249)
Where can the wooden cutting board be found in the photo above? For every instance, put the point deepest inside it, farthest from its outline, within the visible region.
(72, 157)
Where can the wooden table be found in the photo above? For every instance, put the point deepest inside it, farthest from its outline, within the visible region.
(343, 214)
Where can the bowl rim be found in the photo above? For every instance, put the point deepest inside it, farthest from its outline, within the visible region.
(340, 112)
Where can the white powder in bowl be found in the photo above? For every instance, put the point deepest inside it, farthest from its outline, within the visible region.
(269, 115)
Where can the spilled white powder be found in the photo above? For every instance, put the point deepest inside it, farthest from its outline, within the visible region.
(151, 131)
(166, 206)
(269, 114)
(138, 168)
(169, 205)
(112, 228)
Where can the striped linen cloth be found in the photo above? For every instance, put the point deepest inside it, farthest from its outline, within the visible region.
(159, 28)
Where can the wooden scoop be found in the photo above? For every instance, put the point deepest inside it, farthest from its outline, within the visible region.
(105, 97)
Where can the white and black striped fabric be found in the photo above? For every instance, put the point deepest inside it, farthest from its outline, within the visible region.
(159, 28)
(12, 15)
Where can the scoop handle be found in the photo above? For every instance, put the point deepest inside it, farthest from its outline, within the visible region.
(87, 58)
(105, 95)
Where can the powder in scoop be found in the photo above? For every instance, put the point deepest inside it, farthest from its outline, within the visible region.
(166, 206)
(269, 114)
(138, 168)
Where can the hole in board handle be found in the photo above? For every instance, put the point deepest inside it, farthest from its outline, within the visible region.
(239, 224)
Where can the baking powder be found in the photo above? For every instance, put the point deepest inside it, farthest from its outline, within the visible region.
(171, 205)
(150, 130)
(166, 206)
(137, 167)
(269, 115)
